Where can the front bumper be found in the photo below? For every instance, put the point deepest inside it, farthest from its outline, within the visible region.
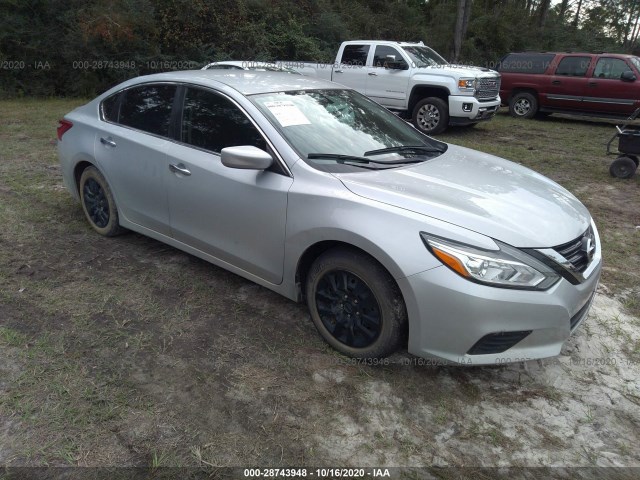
(465, 110)
(450, 316)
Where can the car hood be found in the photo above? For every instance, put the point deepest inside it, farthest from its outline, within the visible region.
(480, 192)
(460, 70)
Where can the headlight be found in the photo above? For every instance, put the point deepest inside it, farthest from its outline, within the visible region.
(506, 268)
(467, 84)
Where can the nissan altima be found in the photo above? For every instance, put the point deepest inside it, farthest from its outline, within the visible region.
(393, 239)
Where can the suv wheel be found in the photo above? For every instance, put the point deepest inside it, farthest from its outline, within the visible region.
(523, 105)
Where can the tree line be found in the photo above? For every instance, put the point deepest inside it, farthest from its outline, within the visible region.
(82, 47)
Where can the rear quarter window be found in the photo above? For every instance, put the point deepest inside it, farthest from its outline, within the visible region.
(110, 108)
(525, 63)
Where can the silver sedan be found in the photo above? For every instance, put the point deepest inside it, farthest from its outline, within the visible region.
(394, 240)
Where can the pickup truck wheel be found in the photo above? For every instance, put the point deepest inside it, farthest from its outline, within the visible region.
(355, 304)
(523, 105)
(431, 115)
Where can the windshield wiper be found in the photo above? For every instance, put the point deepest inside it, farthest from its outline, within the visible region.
(360, 160)
(404, 148)
(336, 156)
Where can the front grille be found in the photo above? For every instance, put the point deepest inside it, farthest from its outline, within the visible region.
(576, 251)
(488, 88)
(497, 342)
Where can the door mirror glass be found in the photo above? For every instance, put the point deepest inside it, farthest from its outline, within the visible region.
(246, 157)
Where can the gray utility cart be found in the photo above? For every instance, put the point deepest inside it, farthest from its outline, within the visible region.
(628, 149)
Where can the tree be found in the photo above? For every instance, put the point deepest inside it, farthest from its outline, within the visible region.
(544, 12)
(462, 23)
(77, 41)
(577, 16)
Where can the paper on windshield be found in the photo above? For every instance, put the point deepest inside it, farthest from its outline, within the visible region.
(287, 113)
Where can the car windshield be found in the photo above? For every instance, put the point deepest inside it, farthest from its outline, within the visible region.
(425, 57)
(636, 62)
(342, 130)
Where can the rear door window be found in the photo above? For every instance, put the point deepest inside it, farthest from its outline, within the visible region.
(355, 55)
(148, 108)
(573, 66)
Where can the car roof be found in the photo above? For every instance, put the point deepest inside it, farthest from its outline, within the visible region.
(247, 82)
(237, 63)
(387, 42)
(252, 65)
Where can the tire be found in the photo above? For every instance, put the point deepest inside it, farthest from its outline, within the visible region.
(523, 105)
(431, 115)
(98, 203)
(355, 304)
(623, 167)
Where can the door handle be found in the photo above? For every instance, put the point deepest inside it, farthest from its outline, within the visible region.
(337, 71)
(373, 74)
(593, 84)
(107, 141)
(180, 168)
(556, 82)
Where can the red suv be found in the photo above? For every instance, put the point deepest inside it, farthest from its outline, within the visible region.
(604, 84)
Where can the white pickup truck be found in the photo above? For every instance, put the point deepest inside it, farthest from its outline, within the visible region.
(413, 80)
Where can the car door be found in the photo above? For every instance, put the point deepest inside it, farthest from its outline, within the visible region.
(388, 86)
(567, 84)
(608, 92)
(352, 69)
(238, 216)
(130, 148)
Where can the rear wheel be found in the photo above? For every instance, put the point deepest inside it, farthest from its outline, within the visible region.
(623, 167)
(98, 203)
(523, 105)
(431, 115)
(355, 304)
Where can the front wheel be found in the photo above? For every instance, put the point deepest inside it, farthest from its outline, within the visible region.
(98, 203)
(523, 105)
(355, 304)
(431, 115)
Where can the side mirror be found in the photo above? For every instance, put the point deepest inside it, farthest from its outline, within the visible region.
(393, 64)
(246, 157)
(628, 76)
